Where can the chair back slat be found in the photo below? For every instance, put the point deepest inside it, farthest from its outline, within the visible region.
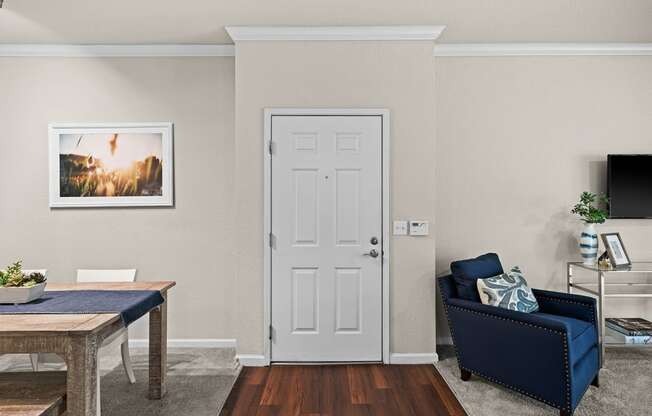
(98, 275)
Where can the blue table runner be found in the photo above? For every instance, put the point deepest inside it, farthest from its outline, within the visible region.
(130, 304)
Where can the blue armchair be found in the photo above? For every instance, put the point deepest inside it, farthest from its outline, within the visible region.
(551, 355)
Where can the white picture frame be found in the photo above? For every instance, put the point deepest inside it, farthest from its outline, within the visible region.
(159, 191)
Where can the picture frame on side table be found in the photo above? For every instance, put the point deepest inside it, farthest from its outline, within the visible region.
(616, 249)
(111, 165)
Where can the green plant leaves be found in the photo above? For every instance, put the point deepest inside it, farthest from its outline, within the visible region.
(588, 211)
(14, 277)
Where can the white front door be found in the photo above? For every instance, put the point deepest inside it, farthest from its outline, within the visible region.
(327, 227)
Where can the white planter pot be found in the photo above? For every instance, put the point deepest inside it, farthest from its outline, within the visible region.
(18, 295)
(589, 244)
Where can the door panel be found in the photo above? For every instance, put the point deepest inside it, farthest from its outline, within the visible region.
(326, 207)
(347, 300)
(306, 206)
(305, 300)
(347, 207)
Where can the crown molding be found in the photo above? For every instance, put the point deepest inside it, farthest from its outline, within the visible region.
(543, 49)
(90, 51)
(440, 50)
(334, 33)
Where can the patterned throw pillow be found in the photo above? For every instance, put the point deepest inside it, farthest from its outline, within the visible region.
(509, 291)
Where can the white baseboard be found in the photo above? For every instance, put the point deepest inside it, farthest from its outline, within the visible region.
(413, 358)
(444, 340)
(252, 360)
(258, 360)
(188, 343)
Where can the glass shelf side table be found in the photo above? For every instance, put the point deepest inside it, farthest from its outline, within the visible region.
(599, 287)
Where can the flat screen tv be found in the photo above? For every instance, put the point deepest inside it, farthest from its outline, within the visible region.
(629, 186)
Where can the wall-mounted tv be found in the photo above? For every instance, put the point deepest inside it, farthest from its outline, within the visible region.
(629, 186)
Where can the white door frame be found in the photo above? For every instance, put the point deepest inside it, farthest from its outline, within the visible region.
(267, 210)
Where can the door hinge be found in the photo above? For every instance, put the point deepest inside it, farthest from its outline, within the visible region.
(271, 332)
(271, 147)
(272, 240)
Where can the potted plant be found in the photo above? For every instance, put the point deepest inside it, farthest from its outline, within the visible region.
(588, 210)
(17, 286)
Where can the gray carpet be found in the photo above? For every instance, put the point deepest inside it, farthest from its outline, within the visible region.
(199, 382)
(625, 389)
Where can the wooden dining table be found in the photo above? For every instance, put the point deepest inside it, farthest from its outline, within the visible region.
(78, 337)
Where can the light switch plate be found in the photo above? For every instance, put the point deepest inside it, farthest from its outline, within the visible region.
(400, 228)
(418, 227)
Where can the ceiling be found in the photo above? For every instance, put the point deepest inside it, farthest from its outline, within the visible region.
(203, 21)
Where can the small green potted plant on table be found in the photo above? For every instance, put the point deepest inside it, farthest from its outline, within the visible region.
(591, 214)
(17, 286)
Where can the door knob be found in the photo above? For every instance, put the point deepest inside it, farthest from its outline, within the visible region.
(372, 253)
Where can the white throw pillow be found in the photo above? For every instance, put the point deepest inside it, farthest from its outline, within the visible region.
(508, 291)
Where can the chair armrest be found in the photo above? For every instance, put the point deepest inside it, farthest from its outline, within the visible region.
(522, 318)
(565, 304)
(447, 288)
(522, 351)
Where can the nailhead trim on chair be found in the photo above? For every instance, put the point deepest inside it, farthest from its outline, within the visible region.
(507, 319)
(565, 344)
(588, 305)
(592, 307)
(567, 369)
(516, 389)
(450, 327)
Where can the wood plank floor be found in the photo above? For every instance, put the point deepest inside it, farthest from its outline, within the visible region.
(342, 390)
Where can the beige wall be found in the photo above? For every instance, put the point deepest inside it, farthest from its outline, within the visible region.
(518, 139)
(393, 75)
(190, 243)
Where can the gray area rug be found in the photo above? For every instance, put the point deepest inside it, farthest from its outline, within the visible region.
(625, 389)
(199, 381)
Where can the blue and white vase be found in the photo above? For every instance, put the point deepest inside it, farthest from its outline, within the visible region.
(589, 244)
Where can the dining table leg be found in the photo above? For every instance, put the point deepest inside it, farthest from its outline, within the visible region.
(158, 341)
(82, 376)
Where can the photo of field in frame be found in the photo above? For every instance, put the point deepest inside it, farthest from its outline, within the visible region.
(105, 166)
(110, 165)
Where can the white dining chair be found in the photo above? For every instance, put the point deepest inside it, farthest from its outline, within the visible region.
(34, 357)
(123, 275)
(103, 276)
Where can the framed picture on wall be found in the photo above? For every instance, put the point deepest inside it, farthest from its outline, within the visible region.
(111, 164)
(616, 250)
